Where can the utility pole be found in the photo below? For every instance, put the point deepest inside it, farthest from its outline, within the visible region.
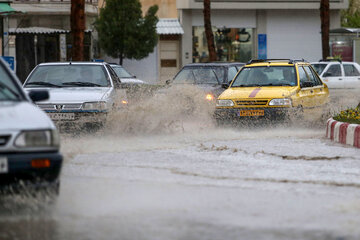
(77, 22)
(208, 31)
(325, 27)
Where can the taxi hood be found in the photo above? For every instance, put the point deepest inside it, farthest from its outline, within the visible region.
(258, 92)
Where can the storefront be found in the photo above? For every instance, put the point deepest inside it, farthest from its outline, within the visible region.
(244, 29)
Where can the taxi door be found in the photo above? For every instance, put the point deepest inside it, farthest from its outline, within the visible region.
(306, 93)
(320, 95)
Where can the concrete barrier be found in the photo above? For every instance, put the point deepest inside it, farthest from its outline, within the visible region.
(344, 133)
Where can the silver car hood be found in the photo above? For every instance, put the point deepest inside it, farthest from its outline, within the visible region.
(75, 94)
(22, 115)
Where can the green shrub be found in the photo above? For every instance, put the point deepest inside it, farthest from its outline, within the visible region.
(351, 115)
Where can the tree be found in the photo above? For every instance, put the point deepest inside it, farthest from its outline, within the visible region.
(208, 31)
(123, 32)
(351, 16)
(77, 22)
(325, 27)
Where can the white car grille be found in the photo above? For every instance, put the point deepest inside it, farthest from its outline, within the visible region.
(76, 106)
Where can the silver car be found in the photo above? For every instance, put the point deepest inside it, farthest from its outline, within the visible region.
(81, 93)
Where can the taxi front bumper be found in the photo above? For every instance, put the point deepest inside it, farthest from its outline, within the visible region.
(243, 114)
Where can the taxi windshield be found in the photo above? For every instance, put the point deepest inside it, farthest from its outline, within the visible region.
(68, 76)
(266, 76)
(199, 75)
(319, 67)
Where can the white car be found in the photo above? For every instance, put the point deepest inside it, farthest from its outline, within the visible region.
(338, 74)
(29, 141)
(125, 76)
(81, 93)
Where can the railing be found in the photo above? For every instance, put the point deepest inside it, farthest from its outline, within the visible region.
(93, 2)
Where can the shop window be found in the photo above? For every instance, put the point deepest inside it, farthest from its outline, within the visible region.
(232, 44)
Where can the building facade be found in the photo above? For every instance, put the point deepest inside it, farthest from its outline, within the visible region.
(245, 29)
(40, 32)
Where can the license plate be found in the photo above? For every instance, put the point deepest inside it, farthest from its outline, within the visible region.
(251, 113)
(62, 116)
(3, 165)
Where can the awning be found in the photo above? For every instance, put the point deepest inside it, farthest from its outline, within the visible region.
(37, 30)
(40, 30)
(345, 30)
(6, 9)
(169, 26)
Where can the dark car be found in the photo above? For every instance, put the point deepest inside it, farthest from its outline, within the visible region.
(208, 76)
(29, 141)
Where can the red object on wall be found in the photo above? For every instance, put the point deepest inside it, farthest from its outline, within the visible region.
(345, 51)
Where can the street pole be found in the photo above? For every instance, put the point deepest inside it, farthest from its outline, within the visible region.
(77, 21)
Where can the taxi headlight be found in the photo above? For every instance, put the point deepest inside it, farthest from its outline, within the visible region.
(224, 103)
(100, 106)
(38, 138)
(280, 102)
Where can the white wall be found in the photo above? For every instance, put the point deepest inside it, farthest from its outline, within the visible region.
(228, 18)
(145, 69)
(293, 34)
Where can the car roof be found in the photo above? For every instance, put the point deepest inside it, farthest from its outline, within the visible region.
(275, 62)
(211, 64)
(72, 63)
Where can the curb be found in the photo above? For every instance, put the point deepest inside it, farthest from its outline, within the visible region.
(344, 133)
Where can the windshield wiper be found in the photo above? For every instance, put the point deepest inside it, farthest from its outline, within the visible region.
(43, 84)
(4, 87)
(86, 84)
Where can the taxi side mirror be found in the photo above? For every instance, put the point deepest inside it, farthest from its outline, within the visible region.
(306, 84)
(225, 85)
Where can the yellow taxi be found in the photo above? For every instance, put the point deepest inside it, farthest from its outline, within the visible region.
(272, 89)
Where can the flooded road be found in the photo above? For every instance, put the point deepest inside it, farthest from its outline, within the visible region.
(197, 181)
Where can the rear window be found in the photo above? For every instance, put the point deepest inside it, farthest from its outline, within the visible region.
(201, 75)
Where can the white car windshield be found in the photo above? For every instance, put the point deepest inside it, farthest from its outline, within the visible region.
(266, 76)
(8, 89)
(68, 76)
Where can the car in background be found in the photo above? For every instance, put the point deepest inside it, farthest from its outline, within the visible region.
(124, 76)
(338, 74)
(272, 89)
(207, 76)
(29, 141)
(81, 93)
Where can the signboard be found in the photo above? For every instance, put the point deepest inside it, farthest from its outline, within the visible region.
(262, 46)
(10, 61)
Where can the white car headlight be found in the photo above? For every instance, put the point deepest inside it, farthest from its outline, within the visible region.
(280, 102)
(38, 138)
(99, 106)
(224, 103)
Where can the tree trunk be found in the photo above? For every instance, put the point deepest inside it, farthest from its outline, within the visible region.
(208, 31)
(77, 21)
(121, 59)
(325, 26)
